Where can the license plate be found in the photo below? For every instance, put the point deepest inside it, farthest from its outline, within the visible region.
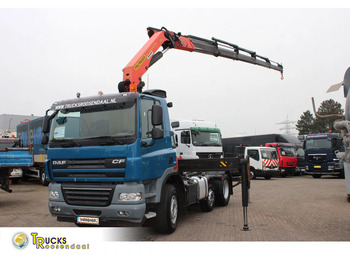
(88, 220)
(317, 166)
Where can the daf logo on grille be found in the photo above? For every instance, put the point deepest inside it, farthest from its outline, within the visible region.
(118, 161)
(59, 163)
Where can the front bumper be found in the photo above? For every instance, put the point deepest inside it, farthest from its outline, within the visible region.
(267, 173)
(117, 210)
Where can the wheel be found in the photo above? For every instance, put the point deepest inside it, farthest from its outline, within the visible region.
(267, 177)
(316, 176)
(252, 174)
(168, 210)
(43, 179)
(207, 204)
(223, 197)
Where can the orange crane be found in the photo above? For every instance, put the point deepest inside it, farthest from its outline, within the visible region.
(148, 55)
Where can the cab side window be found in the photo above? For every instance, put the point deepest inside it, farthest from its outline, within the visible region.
(146, 116)
(185, 137)
(254, 154)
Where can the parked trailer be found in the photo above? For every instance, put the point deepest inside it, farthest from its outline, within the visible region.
(12, 156)
(30, 136)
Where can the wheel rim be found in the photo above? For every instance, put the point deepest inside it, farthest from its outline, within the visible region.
(173, 209)
(211, 197)
(225, 189)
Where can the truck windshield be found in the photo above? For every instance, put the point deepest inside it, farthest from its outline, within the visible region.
(203, 138)
(318, 144)
(89, 123)
(287, 151)
(268, 154)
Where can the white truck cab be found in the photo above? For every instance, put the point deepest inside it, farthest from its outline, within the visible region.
(197, 139)
(263, 161)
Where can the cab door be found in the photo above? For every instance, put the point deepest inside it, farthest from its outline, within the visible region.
(254, 158)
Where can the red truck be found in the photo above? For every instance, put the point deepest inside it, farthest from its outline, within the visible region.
(286, 156)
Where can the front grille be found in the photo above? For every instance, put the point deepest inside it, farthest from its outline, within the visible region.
(209, 155)
(93, 195)
(89, 175)
(89, 163)
(318, 158)
(290, 164)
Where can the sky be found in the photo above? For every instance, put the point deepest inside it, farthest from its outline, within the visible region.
(50, 54)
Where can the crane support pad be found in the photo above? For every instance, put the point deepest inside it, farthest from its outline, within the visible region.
(220, 164)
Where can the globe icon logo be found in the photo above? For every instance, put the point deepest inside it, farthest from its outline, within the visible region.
(20, 240)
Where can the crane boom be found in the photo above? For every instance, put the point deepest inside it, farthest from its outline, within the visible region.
(148, 55)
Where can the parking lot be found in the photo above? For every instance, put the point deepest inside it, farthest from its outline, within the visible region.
(298, 208)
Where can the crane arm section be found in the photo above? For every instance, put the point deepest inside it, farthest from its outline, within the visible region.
(149, 54)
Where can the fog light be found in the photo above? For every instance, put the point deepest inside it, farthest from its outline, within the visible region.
(130, 196)
(123, 213)
(55, 209)
(54, 194)
(331, 168)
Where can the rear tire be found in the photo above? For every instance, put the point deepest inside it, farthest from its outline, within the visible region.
(168, 210)
(223, 197)
(207, 204)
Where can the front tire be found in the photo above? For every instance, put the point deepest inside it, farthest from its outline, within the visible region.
(168, 210)
(43, 179)
(252, 174)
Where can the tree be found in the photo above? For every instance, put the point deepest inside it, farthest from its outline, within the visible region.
(307, 123)
(328, 107)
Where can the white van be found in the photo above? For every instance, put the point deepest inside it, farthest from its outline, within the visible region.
(197, 139)
(263, 161)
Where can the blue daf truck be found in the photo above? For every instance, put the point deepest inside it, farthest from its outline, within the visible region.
(320, 155)
(113, 158)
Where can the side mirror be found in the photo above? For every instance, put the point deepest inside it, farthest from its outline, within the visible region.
(157, 133)
(46, 124)
(44, 139)
(157, 115)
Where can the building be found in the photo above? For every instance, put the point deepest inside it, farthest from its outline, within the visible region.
(9, 122)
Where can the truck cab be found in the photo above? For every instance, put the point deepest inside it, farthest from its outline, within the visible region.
(263, 161)
(321, 155)
(197, 139)
(286, 156)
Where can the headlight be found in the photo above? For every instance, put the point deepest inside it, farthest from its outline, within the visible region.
(54, 194)
(130, 196)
